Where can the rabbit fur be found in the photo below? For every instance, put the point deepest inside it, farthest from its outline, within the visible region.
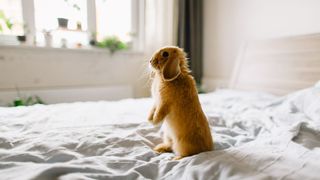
(185, 128)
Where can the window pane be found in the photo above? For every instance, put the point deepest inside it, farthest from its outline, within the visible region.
(72, 27)
(114, 19)
(11, 22)
(47, 13)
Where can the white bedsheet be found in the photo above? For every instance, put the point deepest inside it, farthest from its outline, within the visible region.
(257, 136)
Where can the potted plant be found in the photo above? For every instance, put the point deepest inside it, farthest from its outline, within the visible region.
(63, 22)
(79, 26)
(47, 37)
(23, 38)
(113, 43)
(93, 39)
(26, 100)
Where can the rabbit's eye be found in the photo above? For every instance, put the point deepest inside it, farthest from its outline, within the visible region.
(165, 54)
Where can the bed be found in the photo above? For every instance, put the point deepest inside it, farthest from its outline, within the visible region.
(257, 134)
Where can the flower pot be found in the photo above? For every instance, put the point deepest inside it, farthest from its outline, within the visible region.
(22, 38)
(92, 42)
(47, 37)
(63, 22)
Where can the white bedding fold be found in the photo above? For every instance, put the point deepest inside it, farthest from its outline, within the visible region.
(257, 136)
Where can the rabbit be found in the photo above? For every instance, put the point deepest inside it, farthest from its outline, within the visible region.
(185, 128)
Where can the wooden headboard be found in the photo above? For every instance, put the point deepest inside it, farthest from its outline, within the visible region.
(278, 66)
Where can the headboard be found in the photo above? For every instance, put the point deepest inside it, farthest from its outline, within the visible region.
(278, 66)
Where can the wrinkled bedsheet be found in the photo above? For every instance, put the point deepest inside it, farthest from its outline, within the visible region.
(256, 136)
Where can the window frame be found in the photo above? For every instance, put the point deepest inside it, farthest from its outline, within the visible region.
(137, 20)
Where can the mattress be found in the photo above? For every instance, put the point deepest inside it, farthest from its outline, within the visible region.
(256, 136)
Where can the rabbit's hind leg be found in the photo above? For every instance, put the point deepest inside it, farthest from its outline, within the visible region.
(166, 146)
(163, 148)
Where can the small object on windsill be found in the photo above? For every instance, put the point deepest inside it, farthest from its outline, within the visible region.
(22, 38)
(79, 45)
(47, 37)
(113, 43)
(79, 26)
(63, 22)
(92, 42)
(93, 39)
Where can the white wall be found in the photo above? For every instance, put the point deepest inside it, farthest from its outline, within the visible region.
(228, 24)
(47, 69)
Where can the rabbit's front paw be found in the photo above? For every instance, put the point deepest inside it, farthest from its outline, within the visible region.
(150, 118)
(151, 115)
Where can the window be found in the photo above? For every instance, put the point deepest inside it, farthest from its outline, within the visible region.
(11, 22)
(47, 18)
(65, 20)
(73, 23)
(114, 19)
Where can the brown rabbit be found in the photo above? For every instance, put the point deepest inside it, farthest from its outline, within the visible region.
(185, 127)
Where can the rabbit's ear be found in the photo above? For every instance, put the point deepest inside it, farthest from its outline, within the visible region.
(171, 70)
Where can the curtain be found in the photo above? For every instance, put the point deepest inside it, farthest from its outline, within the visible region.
(161, 24)
(190, 34)
(161, 29)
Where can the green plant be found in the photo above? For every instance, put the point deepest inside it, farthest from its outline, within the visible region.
(6, 20)
(113, 43)
(27, 101)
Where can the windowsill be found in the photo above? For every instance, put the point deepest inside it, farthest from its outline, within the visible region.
(71, 49)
